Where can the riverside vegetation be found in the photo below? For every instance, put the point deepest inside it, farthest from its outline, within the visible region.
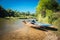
(48, 11)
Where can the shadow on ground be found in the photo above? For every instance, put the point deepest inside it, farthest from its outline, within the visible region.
(46, 28)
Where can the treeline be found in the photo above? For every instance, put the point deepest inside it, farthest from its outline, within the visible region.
(13, 13)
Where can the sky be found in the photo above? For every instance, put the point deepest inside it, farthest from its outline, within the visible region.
(20, 5)
(58, 1)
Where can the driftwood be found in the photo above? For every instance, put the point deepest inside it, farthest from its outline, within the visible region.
(39, 27)
(32, 25)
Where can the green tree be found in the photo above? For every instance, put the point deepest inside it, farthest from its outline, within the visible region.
(10, 12)
(3, 12)
(47, 4)
(45, 9)
(28, 13)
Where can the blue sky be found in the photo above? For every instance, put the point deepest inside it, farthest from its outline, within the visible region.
(20, 5)
(59, 1)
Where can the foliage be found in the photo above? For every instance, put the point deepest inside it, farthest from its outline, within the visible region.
(47, 4)
(3, 12)
(45, 10)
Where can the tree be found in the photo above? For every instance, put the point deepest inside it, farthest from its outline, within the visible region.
(45, 9)
(28, 13)
(10, 12)
(3, 12)
(47, 4)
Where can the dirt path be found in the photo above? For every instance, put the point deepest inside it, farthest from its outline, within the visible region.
(50, 36)
(28, 33)
(25, 33)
